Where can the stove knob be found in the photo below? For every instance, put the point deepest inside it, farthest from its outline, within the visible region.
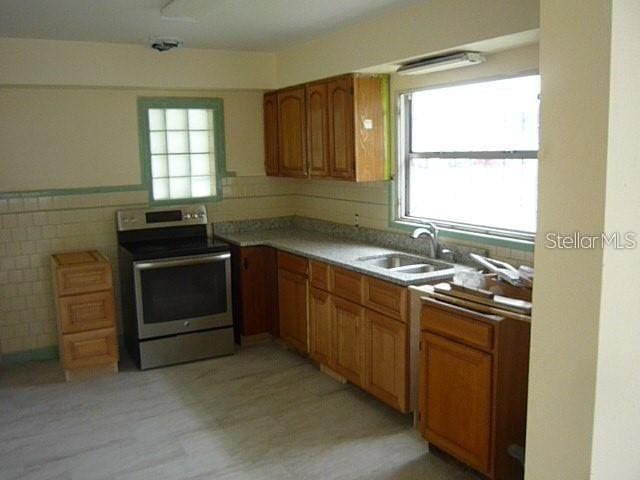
(187, 216)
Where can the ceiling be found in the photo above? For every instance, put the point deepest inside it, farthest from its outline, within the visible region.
(257, 25)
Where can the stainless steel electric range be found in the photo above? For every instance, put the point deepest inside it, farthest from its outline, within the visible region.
(175, 286)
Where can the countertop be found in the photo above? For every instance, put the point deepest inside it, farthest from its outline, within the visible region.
(332, 250)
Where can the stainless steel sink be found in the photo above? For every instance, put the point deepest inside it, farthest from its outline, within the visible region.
(393, 260)
(403, 263)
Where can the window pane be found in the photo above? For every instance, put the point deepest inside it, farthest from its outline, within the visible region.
(500, 115)
(158, 142)
(159, 166)
(177, 142)
(179, 165)
(492, 193)
(201, 186)
(200, 164)
(176, 119)
(156, 119)
(199, 119)
(199, 142)
(179, 187)
(161, 189)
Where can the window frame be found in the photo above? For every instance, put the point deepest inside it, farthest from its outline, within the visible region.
(405, 154)
(216, 105)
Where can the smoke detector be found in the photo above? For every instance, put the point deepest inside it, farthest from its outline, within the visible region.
(164, 44)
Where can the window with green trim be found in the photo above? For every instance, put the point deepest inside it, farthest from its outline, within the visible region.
(182, 148)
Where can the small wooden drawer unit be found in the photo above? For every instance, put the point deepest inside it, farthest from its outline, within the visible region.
(85, 312)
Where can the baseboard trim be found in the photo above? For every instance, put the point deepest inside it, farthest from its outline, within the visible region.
(35, 355)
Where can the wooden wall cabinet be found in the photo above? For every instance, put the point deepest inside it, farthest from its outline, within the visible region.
(292, 138)
(333, 128)
(85, 313)
(293, 287)
(473, 386)
(270, 109)
(255, 293)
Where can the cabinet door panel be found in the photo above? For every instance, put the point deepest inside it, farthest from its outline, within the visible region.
(270, 105)
(291, 133)
(348, 324)
(258, 303)
(317, 130)
(292, 293)
(455, 399)
(320, 327)
(386, 353)
(341, 134)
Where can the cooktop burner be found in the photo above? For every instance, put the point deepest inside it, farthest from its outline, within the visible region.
(173, 247)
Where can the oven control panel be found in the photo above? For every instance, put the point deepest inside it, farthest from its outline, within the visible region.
(142, 218)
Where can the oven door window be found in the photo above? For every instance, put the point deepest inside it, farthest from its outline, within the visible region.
(174, 297)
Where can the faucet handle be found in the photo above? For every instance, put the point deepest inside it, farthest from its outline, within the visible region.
(447, 255)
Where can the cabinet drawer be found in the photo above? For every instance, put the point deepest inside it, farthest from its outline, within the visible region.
(319, 275)
(83, 279)
(89, 349)
(386, 298)
(346, 284)
(90, 311)
(293, 263)
(457, 327)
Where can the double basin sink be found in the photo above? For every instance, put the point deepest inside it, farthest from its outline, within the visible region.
(407, 264)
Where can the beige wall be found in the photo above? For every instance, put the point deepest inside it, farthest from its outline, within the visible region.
(46, 62)
(616, 434)
(566, 297)
(418, 30)
(88, 137)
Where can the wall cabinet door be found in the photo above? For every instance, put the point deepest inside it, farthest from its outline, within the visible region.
(455, 399)
(270, 105)
(317, 130)
(341, 133)
(348, 324)
(386, 354)
(320, 327)
(291, 133)
(292, 294)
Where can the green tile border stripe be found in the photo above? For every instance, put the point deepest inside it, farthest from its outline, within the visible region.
(37, 355)
(72, 191)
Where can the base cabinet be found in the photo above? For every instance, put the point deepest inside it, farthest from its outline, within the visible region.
(473, 386)
(387, 359)
(321, 331)
(255, 293)
(85, 309)
(348, 319)
(293, 289)
(457, 399)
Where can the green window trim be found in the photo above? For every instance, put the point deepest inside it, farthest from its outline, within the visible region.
(213, 104)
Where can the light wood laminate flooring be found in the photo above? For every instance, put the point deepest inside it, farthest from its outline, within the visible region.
(264, 413)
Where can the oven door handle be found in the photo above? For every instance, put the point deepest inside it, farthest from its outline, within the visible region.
(181, 261)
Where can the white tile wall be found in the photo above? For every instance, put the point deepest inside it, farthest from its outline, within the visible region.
(33, 228)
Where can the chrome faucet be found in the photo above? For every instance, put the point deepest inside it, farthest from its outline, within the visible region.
(431, 232)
